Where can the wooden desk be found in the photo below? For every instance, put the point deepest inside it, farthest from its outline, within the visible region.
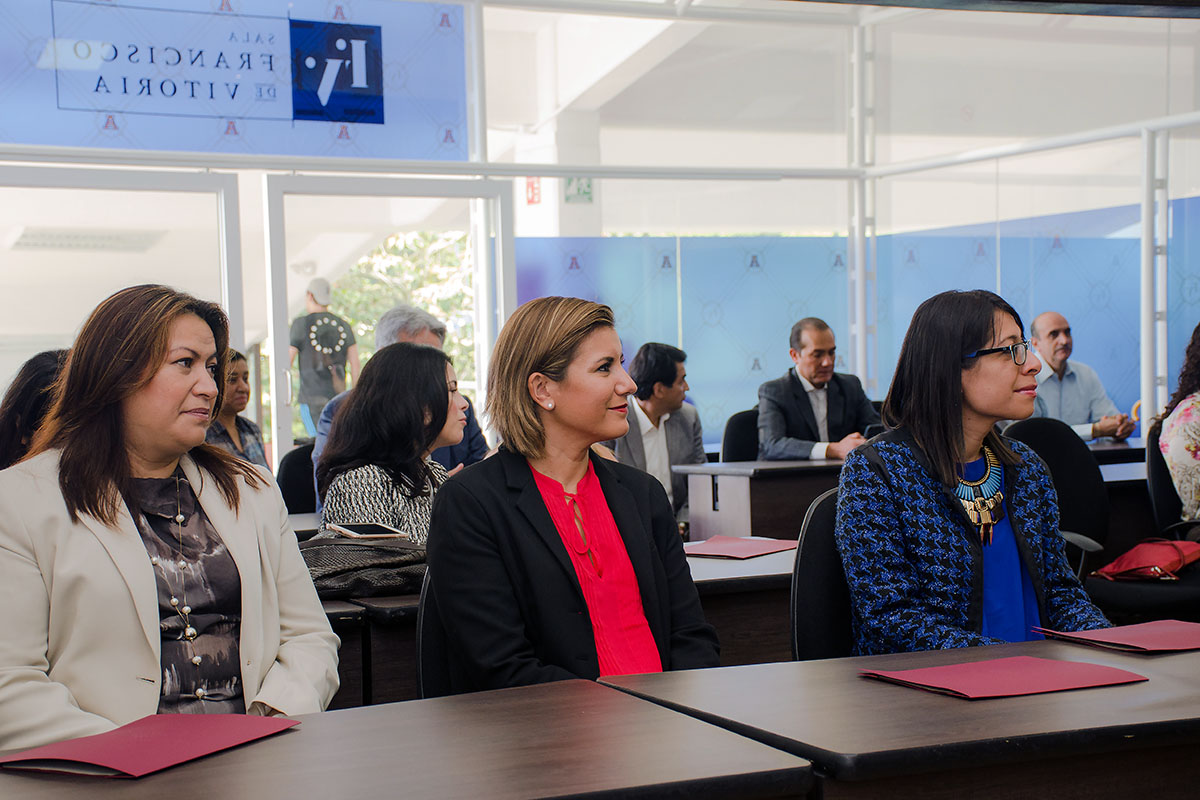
(554, 740)
(754, 498)
(1107, 451)
(749, 603)
(873, 739)
(391, 662)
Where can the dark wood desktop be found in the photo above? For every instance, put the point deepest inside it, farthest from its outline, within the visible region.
(754, 498)
(571, 738)
(874, 739)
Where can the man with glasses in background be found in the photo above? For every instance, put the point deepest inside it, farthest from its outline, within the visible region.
(1069, 390)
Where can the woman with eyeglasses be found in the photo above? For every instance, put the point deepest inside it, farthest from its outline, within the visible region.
(948, 532)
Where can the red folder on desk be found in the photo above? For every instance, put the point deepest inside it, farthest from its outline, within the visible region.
(1007, 677)
(148, 744)
(738, 547)
(1160, 636)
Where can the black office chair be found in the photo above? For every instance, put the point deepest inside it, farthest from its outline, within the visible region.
(820, 611)
(433, 658)
(1082, 496)
(295, 480)
(1164, 500)
(1083, 507)
(740, 440)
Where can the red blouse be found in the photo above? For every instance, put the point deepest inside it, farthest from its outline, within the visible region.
(624, 643)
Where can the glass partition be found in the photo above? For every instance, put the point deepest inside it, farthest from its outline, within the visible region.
(66, 248)
(720, 269)
(577, 89)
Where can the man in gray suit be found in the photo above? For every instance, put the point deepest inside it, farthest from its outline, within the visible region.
(663, 430)
(812, 411)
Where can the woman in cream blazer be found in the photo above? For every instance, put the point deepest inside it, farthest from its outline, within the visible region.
(80, 636)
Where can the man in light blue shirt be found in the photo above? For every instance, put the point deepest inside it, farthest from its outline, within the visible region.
(1072, 391)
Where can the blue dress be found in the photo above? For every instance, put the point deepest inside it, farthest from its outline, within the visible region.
(1010, 607)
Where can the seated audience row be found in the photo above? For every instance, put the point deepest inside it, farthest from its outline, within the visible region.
(813, 412)
(148, 571)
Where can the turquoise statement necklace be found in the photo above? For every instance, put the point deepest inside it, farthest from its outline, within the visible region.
(982, 499)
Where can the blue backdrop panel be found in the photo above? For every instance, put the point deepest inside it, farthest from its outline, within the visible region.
(1094, 284)
(741, 296)
(636, 276)
(1092, 281)
(913, 267)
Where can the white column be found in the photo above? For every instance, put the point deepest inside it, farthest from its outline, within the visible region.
(1148, 399)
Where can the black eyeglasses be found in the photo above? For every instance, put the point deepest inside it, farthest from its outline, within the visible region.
(1019, 352)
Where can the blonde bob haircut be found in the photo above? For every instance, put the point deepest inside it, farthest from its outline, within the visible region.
(541, 336)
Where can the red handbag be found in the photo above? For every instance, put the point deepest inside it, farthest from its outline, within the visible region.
(1152, 559)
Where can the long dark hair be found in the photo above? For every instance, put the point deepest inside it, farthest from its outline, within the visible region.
(120, 348)
(26, 403)
(1189, 380)
(392, 417)
(926, 392)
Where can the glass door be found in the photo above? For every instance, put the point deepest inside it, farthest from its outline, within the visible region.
(341, 251)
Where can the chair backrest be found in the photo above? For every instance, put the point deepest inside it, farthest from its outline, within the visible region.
(740, 440)
(1082, 495)
(821, 613)
(295, 480)
(433, 657)
(1164, 500)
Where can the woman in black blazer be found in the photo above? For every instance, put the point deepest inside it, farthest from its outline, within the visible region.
(547, 561)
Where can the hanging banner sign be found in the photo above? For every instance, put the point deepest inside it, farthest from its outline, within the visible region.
(361, 78)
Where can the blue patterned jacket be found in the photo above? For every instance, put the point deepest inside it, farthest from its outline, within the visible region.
(914, 561)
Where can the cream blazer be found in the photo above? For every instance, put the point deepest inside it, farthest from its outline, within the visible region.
(79, 618)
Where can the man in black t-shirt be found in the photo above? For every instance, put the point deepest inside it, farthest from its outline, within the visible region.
(325, 343)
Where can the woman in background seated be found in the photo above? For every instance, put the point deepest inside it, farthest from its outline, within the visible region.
(233, 434)
(549, 562)
(143, 571)
(1179, 432)
(948, 532)
(376, 465)
(26, 402)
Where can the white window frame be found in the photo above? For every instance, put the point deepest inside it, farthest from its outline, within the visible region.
(222, 185)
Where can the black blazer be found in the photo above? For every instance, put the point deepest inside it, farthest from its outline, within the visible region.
(787, 428)
(506, 591)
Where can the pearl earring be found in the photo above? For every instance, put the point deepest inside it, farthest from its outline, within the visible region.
(550, 405)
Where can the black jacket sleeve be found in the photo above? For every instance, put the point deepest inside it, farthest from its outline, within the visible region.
(475, 595)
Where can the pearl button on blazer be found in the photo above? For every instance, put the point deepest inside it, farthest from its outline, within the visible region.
(79, 617)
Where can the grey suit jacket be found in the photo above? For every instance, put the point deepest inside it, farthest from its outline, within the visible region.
(787, 428)
(685, 445)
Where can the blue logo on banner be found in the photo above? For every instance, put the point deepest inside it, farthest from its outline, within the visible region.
(337, 72)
